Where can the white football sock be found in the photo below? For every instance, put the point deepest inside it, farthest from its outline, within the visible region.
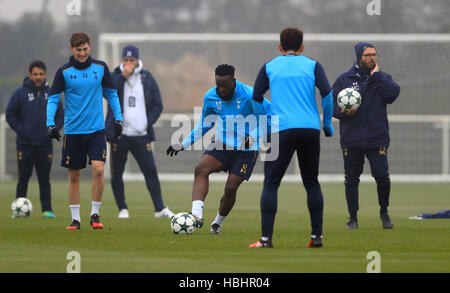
(197, 208)
(75, 210)
(264, 238)
(219, 219)
(95, 207)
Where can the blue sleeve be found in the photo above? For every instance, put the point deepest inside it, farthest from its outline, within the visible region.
(54, 98)
(261, 85)
(200, 129)
(321, 80)
(59, 117)
(156, 105)
(327, 98)
(110, 91)
(327, 105)
(13, 113)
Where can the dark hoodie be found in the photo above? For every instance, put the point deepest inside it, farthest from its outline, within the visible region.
(26, 113)
(369, 127)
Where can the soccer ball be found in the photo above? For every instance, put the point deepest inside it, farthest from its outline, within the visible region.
(183, 223)
(348, 99)
(21, 207)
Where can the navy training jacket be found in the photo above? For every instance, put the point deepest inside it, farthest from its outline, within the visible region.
(369, 127)
(153, 102)
(26, 113)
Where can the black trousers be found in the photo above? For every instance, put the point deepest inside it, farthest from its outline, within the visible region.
(353, 165)
(306, 142)
(41, 158)
(140, 147)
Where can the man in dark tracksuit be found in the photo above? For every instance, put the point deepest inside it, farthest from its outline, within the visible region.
(364, 131)
(26, 114)
(141, 105)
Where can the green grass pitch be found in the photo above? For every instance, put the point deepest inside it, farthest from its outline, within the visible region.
(143, 244)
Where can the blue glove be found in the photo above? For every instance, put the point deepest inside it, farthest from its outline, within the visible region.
(328, 128)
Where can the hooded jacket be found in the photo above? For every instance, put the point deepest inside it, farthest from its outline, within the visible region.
(153, 102)
(26, 113)
(369, 127)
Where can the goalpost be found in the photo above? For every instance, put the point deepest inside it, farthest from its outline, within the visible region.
(420, 140)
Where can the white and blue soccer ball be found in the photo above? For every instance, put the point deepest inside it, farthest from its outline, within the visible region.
(348, 99)
(183, 223)
(21, 207)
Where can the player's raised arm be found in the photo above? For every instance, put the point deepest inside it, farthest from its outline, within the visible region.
(205, 123)
(202, 126)
(327, 98)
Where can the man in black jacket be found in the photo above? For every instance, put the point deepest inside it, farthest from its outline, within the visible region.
(364, 131)
(26, 114)
(140, 101)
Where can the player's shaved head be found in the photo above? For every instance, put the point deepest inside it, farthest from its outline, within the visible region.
(291, 38)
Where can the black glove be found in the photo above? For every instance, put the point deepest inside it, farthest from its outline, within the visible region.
(53, 132)
(117, 128)
(174, 149)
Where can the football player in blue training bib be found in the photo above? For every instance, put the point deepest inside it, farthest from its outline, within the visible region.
(229, 105)
(83, 80)
(292, 79)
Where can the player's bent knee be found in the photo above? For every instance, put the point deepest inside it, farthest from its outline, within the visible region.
(198, 170)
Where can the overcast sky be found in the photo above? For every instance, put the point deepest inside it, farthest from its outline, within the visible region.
(11, 10)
